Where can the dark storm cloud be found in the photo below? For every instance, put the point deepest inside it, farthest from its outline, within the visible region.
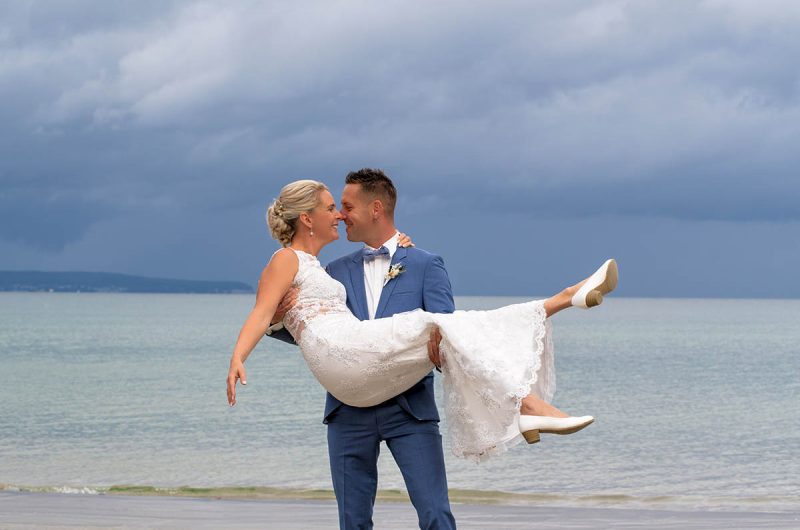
(192, 110)
(47, 222)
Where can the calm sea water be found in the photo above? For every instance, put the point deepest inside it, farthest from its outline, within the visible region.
(696, 402)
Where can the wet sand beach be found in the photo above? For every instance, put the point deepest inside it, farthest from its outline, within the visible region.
(51, 511)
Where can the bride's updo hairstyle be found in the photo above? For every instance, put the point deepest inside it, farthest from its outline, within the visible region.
(300, 196)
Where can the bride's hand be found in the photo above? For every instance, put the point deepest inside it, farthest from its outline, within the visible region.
(404, 241)
(236, 372)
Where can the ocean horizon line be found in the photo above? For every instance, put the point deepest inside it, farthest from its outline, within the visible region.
(456, 296)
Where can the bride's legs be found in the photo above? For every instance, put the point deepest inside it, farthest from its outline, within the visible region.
(562, 300)
(536, 415)
(533, 405)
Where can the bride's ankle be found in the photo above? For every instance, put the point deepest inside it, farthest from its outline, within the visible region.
(570, 291)
(534, 406)
(565, 296)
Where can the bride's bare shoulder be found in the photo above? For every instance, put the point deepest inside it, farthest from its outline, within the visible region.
(284, 253)
(284, 260)
(278, 274)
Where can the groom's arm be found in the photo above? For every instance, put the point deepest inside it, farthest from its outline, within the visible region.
(276, 329)
(281, 334)
(437, 294)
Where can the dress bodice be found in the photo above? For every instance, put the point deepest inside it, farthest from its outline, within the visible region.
(319, 294)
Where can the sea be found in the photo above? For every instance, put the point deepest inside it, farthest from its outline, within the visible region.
(697, 404)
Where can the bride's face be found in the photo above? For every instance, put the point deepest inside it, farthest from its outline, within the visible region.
(325, 218)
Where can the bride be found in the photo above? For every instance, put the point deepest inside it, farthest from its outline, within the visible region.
(494, 360)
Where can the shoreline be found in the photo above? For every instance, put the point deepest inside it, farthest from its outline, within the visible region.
(54, 511)
(613, 501)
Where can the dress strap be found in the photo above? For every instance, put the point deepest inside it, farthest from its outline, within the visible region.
(303, 256)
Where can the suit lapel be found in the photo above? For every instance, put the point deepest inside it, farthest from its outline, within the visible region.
(359, 302)
(386, 293)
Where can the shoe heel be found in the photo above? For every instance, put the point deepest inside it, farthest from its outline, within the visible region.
(594, 298)
(531, 436)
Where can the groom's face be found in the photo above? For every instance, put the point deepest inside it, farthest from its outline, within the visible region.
(356, 213)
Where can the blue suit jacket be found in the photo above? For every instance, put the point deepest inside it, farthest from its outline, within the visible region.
(423, 285)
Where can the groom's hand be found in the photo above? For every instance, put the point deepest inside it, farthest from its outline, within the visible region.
(286, 303)
(433, 348)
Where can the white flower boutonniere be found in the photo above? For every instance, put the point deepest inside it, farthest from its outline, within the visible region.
(394, 271)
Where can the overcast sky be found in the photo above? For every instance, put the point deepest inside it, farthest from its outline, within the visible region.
(528, 140)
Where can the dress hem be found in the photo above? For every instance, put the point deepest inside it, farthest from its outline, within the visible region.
(541, 341)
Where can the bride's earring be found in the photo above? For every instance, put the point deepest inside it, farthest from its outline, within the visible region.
(310, 231)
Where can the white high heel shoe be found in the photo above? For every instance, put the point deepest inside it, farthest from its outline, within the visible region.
(603, 281)
(531, 426)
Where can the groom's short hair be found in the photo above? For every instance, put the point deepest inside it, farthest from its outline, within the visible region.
(375, 183)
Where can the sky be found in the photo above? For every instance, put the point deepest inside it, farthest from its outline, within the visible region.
(528, 140)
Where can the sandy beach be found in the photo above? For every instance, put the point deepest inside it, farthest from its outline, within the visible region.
(51, 511)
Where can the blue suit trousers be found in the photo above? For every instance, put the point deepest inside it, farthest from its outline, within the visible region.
(354, 438)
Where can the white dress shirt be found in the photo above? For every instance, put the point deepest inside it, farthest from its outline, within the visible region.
(375, 274)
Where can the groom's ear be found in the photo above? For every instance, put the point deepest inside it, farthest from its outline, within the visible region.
(377, 210)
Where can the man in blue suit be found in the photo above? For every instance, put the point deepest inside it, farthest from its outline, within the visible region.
(409, 422)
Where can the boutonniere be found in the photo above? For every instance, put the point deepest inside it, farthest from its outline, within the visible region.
(394, 271)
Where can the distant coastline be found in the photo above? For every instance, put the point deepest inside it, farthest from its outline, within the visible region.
(109, 282)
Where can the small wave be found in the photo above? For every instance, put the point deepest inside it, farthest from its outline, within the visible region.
(68, 490)
(76, 491)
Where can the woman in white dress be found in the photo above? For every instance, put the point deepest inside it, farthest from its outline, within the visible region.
(495, 361)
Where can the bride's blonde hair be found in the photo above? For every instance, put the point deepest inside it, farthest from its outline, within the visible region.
(300, 196)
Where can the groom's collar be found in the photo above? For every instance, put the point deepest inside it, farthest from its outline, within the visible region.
(391, 244)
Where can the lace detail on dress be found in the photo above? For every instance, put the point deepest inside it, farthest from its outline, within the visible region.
(319, 294)
(493, 359)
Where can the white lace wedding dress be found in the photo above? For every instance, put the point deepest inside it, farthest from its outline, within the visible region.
(492, 359)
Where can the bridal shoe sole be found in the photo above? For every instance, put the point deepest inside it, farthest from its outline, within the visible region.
(610, 283)
(595, 296)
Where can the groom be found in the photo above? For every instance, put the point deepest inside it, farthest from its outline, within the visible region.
(409, 422)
